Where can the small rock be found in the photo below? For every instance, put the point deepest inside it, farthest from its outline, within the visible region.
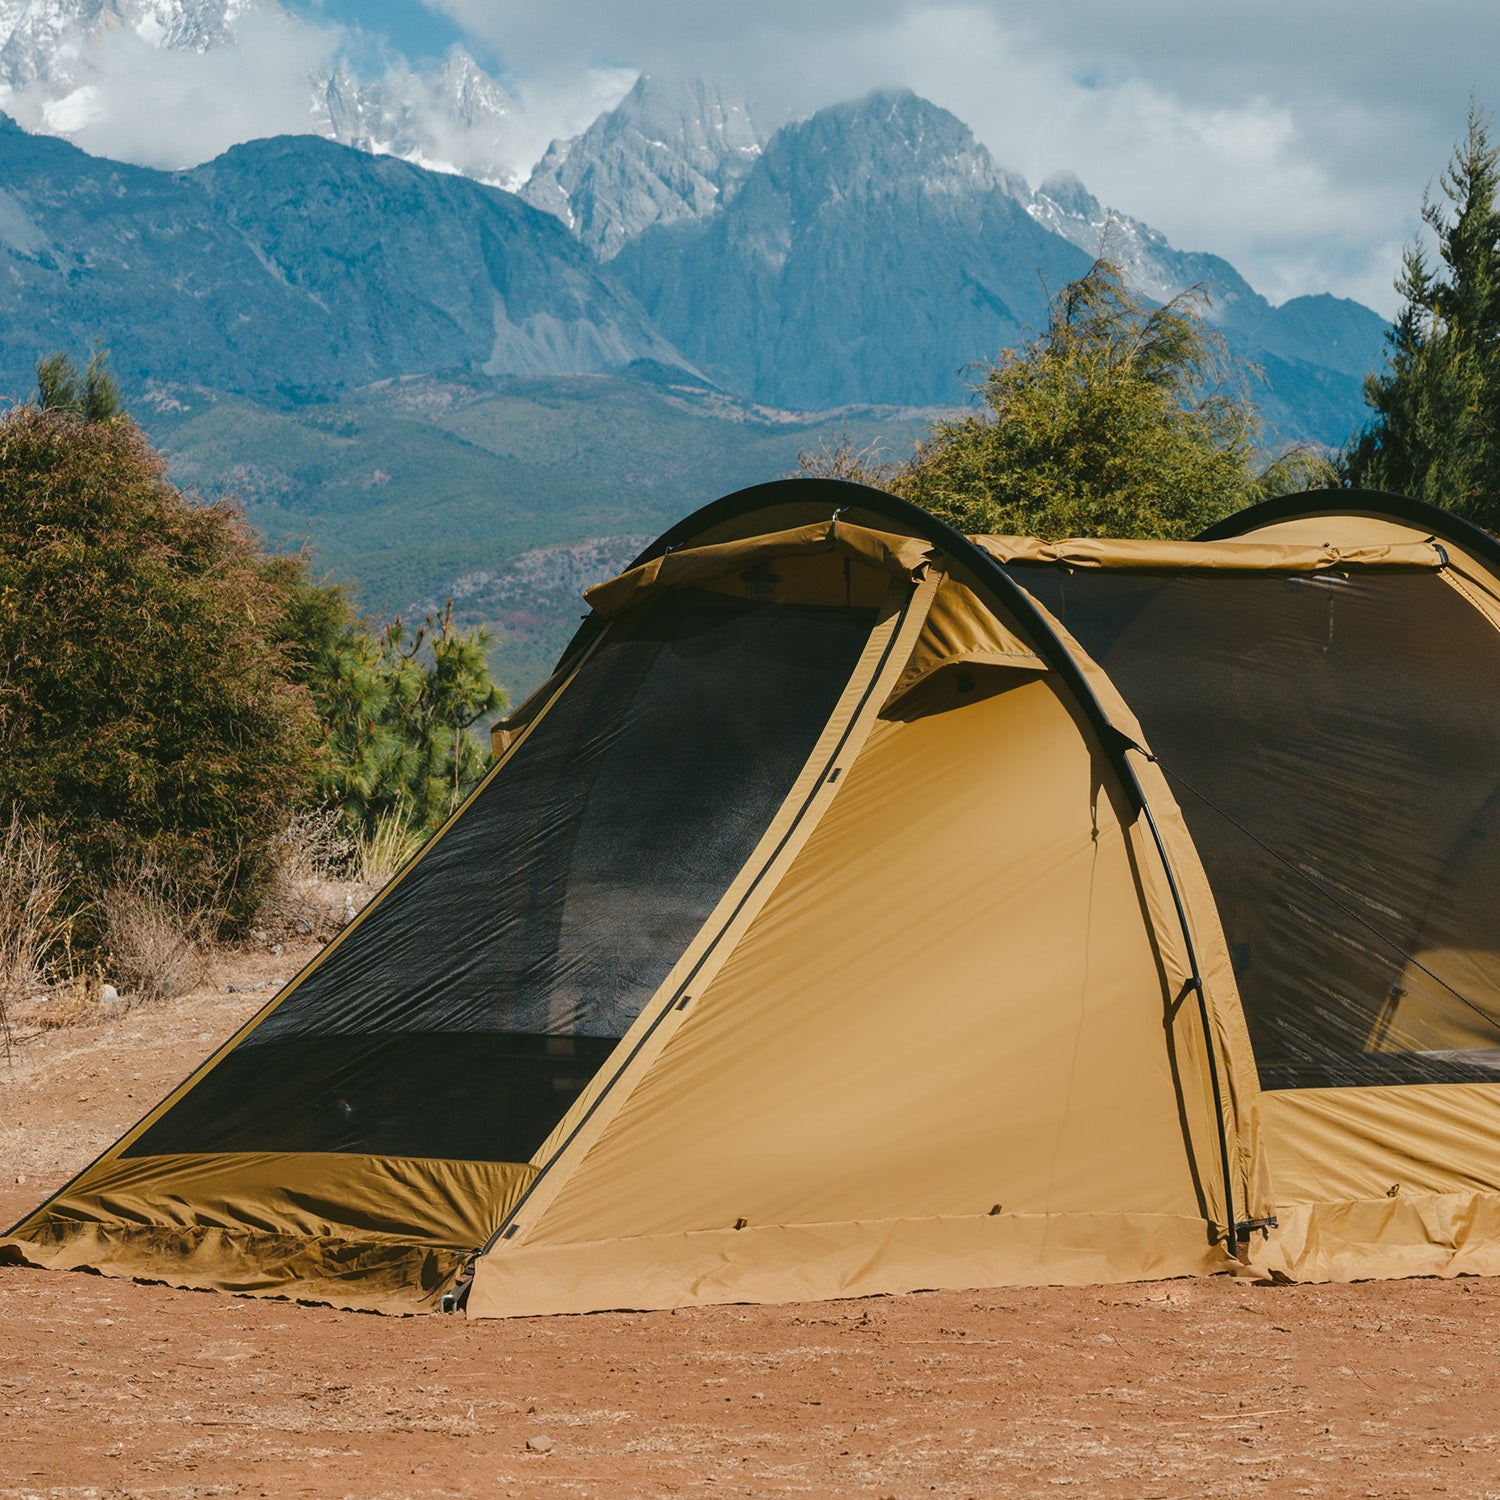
(260, 934)
(304, 927)
(539, 1444)
(20, 1178)
(276, 949)
(108, 995)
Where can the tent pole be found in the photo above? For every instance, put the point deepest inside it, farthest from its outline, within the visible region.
(1231, 1230)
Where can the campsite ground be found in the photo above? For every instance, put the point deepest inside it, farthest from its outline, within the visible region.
(1180, 1388)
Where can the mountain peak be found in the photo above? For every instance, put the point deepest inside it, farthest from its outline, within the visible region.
(670, 150)
(1071, 197)
(887, 141)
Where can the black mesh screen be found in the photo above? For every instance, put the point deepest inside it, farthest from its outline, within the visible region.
(477, 1000)
(1334, 743)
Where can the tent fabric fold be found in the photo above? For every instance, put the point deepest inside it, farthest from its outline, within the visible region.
(861, 908)
(898, 555)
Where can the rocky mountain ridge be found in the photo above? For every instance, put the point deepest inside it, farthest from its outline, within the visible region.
(671, 150)
(292, 268)
(876, 250)
(872, 252)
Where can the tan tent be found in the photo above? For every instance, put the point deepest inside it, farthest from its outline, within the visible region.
(862, 908)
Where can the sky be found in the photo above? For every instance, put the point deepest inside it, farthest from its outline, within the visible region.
(1295, 139)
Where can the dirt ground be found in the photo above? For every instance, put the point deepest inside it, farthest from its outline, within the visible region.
(1220, 1387)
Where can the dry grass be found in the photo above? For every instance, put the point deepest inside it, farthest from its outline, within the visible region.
(379, 855)
(35, 930)
(158, 931)
(323, 878)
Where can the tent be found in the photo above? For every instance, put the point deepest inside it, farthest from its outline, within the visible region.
(861, 907)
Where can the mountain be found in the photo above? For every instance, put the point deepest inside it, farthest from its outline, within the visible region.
(56, 56)
(876, 251)
(1324, 332)
(870, 253)
(292, 268)
(670, 150)
(48, 42)
(454, 119)
(1066, 207)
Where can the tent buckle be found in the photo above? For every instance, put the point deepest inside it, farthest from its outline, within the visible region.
(1243, 1229)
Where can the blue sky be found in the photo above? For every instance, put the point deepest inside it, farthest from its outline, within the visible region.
(418, 32)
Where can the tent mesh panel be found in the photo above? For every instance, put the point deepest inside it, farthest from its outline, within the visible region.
(1335, 744)
(478, 998)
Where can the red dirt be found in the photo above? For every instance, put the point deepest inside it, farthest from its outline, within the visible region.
(1181, 1388)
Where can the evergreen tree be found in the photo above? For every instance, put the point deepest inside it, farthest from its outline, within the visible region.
(1120, 419)
(395, 709)
(94, 395)
(1436, 433)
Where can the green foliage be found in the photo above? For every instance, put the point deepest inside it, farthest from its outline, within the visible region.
(1115, 421)
(94, 396)
(174, 692)
(394, 710)
(1436, 433)
(147, 714)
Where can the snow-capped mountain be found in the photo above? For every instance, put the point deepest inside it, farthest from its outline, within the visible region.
(58, 56)
(1152, 263)
(877, 249)
(48, 41)
(456, 119)
(872, 252)
(672, 149)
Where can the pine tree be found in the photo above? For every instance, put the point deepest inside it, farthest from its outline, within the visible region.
(395, 708)
(1436, 433)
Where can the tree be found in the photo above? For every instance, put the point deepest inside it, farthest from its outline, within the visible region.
(394, 709)
(1436, 432)
(173, 692)
(147, 712)
(94, 396)
(1117, 420)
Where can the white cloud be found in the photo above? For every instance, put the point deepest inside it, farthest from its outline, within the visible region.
(134, 101)
(550, 106)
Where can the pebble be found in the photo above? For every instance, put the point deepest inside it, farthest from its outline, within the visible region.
(539, 1444)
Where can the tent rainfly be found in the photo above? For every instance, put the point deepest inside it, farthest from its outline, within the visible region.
(861, 907)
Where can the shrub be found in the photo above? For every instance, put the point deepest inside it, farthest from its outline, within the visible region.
(157, 927)
(147, 711)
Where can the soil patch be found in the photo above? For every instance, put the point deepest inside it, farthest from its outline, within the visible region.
(1180, 1388)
